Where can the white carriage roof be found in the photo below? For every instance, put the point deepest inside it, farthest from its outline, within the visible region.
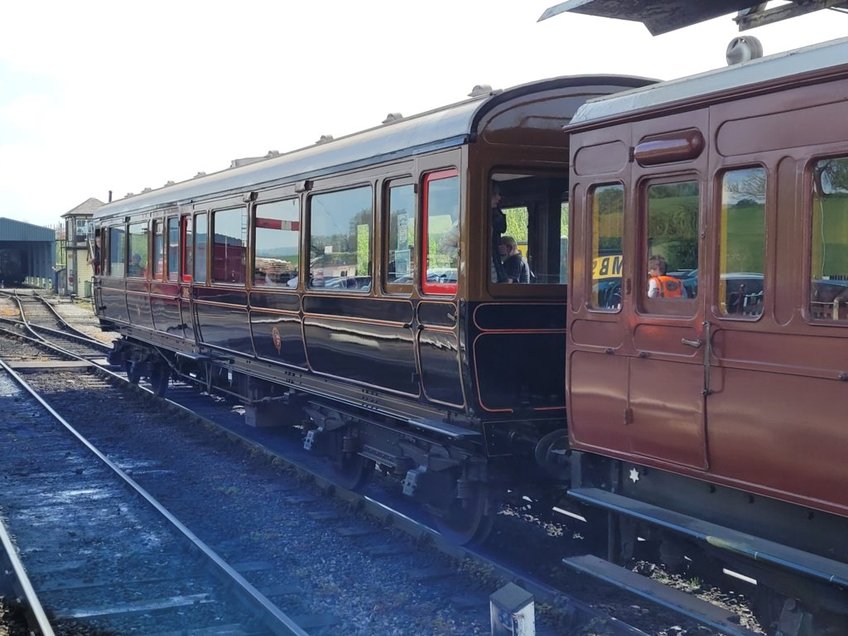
(772, 67)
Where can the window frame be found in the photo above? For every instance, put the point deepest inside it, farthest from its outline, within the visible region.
(387, 185)
(427, 287)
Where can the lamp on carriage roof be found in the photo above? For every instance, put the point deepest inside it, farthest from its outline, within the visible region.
(392, 117)
(482, 89)
(324, 139)
(743, 49)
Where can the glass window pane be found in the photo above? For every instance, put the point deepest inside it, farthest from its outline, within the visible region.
(672, 248)
(138, 250)
(742, 242)
(229, 250)
(529, 229)
(401, 243)
(117, 251)
(607, 205)
(188, 248)
(829, 253)
(277, 243)
(201, 233)
(441, 195)
(173, 248)
(340, 240)
(158, 249)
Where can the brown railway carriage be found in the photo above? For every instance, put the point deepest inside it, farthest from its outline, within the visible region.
(355, 278)
(726, 406)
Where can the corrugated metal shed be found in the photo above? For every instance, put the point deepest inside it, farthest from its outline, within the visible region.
(11, 230)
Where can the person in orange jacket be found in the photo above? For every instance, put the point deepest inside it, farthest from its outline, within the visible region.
(660, 285)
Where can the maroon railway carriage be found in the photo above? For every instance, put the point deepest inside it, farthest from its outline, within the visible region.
(723, 412)
(354, 279)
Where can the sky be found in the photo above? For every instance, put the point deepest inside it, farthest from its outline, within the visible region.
(99, 96)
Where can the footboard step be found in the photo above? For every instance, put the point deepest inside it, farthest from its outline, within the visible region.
(716, 617)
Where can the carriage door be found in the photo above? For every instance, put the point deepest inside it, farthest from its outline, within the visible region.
(186, 278)
(668, 372)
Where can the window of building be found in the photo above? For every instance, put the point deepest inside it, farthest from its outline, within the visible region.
(117, 251)
(277, 243)
(400, 246)
(671, 230)
(158, 249)
(138, 250)
(829, 249)
(742, 242)
(607, 247)
(529, 218)
(340, 240)
(201, 237)
(229, 246)
(173, 248)
(441, 232)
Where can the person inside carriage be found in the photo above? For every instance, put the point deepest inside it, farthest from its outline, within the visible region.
(660, 284)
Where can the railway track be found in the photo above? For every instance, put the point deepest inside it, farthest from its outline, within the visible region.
(34, 315)
(101, 554)
(563, 607)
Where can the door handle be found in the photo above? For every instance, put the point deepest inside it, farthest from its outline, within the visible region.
(695, 344)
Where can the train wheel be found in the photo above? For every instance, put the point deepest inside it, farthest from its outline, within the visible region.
(159, 379)
(469, 519)
(353, 472)
(133, 370)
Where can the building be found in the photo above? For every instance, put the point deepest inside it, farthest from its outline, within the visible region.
(27, 251)
(75, 274)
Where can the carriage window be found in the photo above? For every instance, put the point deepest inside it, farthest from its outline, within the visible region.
(401, 243)
(277, 243)
(742, 242)
(340, 240)
(607, 205)
(117, 251)
(138, 250)
(173, 248)
(229, 245)
(201, 233)
(188, 248)
(672, 241)
(529, 218)
(829, 253)
(441, 232)
(158, 249)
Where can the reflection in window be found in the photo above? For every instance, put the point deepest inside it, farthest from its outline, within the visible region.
(117, 251)
(529, 229)
(340, 240)
(607, 204)
(158, 249)
(173, 248)
(277, 243)
(672, 231)
(401, 243)
(229, 245)
(201, 233)
(138, 250)
(829, 253)
(441, 203)
(742, 242)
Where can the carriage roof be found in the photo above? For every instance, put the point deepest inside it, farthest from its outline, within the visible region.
(805, 61)
(445, 127)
